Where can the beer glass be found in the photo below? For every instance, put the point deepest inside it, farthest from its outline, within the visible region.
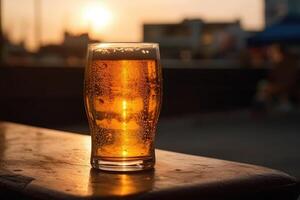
(122, 93)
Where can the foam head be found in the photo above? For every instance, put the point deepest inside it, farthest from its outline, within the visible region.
(124, 51)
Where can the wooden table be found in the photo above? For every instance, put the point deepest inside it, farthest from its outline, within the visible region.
(38, 163)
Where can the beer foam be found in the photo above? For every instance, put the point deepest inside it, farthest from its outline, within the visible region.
(124, 51)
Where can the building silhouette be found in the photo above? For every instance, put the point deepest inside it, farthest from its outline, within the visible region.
(71, 51)
(194, 38)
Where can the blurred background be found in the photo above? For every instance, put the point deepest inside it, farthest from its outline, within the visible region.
(230, 69)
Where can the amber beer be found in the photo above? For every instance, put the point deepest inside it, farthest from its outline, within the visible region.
(123, 89)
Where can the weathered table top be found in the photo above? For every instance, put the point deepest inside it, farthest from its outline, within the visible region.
(48, 164)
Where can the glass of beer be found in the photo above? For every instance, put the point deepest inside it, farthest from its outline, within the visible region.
(122, 93)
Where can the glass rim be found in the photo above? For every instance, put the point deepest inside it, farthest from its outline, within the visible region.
(122, 44)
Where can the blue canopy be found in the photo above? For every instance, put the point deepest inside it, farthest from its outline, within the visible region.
(287, 31)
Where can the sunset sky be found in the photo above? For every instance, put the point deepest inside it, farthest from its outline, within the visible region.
(118, 20)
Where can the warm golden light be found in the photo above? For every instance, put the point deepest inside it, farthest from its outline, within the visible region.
(96, 17)
(124, 109)
(124, 128)
(121, 184)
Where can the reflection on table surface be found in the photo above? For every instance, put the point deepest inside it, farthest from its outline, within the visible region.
(119, 184)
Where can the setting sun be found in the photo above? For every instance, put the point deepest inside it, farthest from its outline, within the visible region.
(96, 17)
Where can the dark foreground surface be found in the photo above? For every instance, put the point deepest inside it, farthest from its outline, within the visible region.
(39, 163)
(272, 140)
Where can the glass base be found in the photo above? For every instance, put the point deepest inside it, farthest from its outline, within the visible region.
(138, 164)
